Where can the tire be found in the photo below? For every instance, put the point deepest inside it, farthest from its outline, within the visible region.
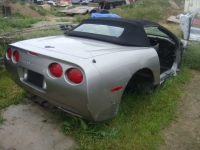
(111, 6)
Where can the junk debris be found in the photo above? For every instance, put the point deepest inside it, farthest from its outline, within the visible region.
(186, 21)
(80, 10)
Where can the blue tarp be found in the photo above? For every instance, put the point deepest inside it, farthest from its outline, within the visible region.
(99, 15)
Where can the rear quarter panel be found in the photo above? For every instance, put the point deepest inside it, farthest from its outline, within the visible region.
(117, 68)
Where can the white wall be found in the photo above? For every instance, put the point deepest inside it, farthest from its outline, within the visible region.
(191, 5)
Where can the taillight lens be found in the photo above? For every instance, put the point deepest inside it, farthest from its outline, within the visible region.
(16, 56)
(56, 69)
(9, 53)
(33, 53)
(74, 75)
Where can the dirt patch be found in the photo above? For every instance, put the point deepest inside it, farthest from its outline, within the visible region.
(28, 127)
(24, 9)
(184, 132)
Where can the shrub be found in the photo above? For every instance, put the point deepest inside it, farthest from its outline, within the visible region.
(191, 56)
(42, 12)
(32, 6)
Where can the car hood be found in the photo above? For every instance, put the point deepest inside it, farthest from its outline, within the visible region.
(73, 46)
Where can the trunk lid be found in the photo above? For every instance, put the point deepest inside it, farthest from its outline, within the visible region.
(78, 47)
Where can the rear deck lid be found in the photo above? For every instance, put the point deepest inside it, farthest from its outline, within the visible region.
(73, 46)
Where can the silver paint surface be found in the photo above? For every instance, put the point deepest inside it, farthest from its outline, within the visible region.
(92, 98)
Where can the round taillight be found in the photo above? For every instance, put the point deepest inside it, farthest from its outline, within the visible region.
(56, 69)
(16, 56)
(9, 53)
(74, 75)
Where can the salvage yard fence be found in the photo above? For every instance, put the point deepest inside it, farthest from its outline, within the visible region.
(191, 5)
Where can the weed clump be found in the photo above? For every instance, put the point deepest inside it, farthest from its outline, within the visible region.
(191, 56)
(42, 11)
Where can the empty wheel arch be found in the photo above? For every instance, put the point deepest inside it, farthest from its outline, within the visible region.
(143, 80)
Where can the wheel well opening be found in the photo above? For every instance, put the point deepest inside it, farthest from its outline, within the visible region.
(142, 79)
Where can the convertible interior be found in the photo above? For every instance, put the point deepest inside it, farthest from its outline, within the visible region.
(164, 46)
(166, 52)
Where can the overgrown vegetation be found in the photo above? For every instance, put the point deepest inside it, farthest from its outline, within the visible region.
(42, 11)
(16, 21)
(154, 10)
(14, 1)
(139, 122)
(141, 116)
(79, 18)
(179, 2)
(54, 11)
(50, 31)
(157, 10)
(2, 49)
(192, 55)
(22, 3)
(63, 20)
(32, 6)
(10, 93)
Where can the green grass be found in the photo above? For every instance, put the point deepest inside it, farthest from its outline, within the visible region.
(2, 49)
(10, 93)
(141, 116)
(16, 21)
(32, 6)
(54, 11)
(13, 23)
(64, 20)
(79, 18)
(1, 119)
(179, 2)
(51, 31)
(14, 1)
(42, 11)
(139, 122)
(22, 3)
(192, 55)
(156, 10)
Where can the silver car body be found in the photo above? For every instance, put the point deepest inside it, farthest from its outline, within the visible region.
(105, 66)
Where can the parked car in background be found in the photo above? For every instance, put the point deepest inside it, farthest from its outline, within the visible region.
(85, 2)
(64, 3)
(86, 71)
(80, 10)
(39, 2)
(51, 3)
(76, 1)
(109, 4)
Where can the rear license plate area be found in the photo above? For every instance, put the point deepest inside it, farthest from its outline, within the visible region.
(35, 78)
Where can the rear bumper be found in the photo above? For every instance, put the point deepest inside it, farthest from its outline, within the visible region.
(89, 99)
